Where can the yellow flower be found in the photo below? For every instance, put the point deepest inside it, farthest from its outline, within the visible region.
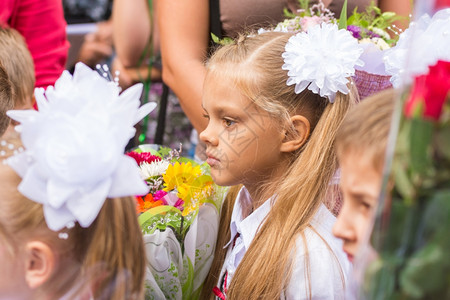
(190, 208)
(179, 175)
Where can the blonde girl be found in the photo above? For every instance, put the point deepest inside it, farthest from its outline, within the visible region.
(277, 140)
(68, 224)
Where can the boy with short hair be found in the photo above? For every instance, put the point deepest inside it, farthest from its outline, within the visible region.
(361, 145)
(18, 63)
(5, 100)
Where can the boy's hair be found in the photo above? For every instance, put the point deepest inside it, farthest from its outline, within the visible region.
(254, 66)
(6, 102)
(107, 258)
(17, 60)
(366, 128)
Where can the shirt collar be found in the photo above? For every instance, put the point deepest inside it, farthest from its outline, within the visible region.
(248, 227)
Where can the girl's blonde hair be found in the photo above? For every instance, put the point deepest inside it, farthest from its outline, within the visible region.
(254, 65)
(107, 258)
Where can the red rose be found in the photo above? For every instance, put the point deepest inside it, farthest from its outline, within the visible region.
(431, 90)
(439, 4)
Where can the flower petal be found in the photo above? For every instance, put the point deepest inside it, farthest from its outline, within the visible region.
(33, 186)
(86, 206)
(126, 180)
(57, 219)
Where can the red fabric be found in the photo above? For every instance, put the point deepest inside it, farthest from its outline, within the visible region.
(42, 24)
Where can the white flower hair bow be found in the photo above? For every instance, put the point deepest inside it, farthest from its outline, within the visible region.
(321, 60)
(421, 45)
(75, 144)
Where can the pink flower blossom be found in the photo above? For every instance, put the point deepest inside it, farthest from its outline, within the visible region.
(159, 194)
(143, 157)
(307, 22)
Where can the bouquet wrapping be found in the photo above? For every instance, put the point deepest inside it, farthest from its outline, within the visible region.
(179, 218)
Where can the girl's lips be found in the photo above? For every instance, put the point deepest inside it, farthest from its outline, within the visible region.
(212, 161)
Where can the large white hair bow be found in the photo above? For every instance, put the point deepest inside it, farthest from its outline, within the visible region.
(321, 60)
(75, 144)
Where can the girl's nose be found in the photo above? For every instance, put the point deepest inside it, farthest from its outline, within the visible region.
(209, 136)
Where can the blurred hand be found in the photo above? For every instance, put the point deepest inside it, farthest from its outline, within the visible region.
(97, 46)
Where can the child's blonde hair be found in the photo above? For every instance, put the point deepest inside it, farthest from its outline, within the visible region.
(6, 102)
(254, 65)
(366, 128)
(17, 60)
(107, 257)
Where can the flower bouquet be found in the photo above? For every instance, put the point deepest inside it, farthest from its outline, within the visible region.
(179, 218)
(376, 32)
(372, 28)
(411, 233)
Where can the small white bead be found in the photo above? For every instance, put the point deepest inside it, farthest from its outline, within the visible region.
(70, 225)
(63, 235)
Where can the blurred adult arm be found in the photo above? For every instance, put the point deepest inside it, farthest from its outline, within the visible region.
(131, 30)
(184, 35)
(400, 7)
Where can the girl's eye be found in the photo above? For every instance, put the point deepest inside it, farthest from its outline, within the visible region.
(229, 123)
(206, 116)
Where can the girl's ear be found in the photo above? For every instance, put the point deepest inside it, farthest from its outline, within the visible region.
(297, 136)
(39, 263)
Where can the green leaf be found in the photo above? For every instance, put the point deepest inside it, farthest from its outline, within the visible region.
(215, 38)
(420, 145)
(423, 273)
(442, 142)
(379, 281)
(164, 151)
(288, 14)
(376, 9)
(403, 183)
(387, 15)
(343, 17)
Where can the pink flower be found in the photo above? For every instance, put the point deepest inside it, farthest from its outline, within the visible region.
(307, 22)
(159, 194)
(431, 91)
(179, 204)
(143, 157)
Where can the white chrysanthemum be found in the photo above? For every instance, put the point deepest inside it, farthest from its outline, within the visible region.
(75, 144)
(380, 32)
(155, 168)
(378, 42)
(322, 60)
(420, 46)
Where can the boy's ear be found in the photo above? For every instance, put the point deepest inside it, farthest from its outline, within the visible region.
(39, 263)
(295, 139)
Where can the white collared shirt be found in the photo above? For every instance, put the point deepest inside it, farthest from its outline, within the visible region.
(328, 270)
